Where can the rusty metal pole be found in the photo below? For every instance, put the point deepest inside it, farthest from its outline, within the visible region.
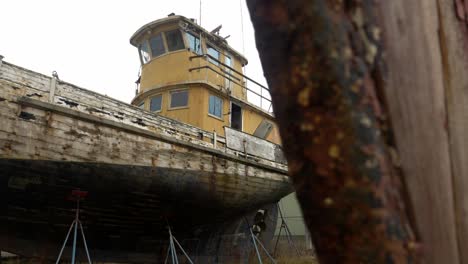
(322, 62)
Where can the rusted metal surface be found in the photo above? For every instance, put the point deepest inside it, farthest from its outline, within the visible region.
(139, 169)
(322, 60)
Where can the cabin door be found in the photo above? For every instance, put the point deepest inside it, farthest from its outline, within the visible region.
(236, 117)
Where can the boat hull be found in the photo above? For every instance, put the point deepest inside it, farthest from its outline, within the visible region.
(127, 208)
(142, 173)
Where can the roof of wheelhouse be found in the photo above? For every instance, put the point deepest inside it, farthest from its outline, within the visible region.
(188, 24)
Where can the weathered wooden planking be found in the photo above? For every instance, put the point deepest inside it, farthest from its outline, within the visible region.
(453, 35)
(63, 127)
(225, 189)
(12, 91)
(416, 100)
(140, 121)
(25, 77)
(111, 107)
(75, 136)
(64, 138)
(22, 81)
(252, 145)
(174, 138)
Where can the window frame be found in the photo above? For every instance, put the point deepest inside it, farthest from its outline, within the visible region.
(163, 39)
(181, 37)
(229, 84)
(147, 40)
(176, 91)
(222, 106)
(141, 105)
(187, 42)
(151, 98)
(144, 42)
(208, 45)
(241, 115)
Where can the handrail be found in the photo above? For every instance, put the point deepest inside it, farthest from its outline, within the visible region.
(245, 87)
(224, 72)
(227, 66)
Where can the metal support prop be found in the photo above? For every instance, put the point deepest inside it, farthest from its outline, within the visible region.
(215, 139)
(256, 242)
(255, 245)
(75, 233)
(52, 87)
(261, 97)
(287, 231)
(75, 224)
(172, 250)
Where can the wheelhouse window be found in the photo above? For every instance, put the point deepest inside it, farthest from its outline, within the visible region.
(214, 53)
(179, 99)
(228, 62)
(142, 105)
(144, 52)
(157, 45)
(156, 103)
(194, 43)
(215, 106)
(174, 40)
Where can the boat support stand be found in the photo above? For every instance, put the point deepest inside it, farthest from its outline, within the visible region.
(256, 242)
(76, 195)
(288, 233)
(171, 250)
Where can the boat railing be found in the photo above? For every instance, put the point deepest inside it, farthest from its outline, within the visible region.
(260, 96)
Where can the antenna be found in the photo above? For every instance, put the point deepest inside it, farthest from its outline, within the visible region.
(200, 12)
(244, 68)
(242, 27)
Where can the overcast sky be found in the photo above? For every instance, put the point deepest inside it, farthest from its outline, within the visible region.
(87, 41)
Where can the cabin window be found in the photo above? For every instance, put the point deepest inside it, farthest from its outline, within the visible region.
(174, 40)
(156, 103)
(214, 53)
(228, 61)
(144, 52)
(157, 45)
(194, 43)
(228, 82)
(142, 105)
(179, 99)
(215, 106)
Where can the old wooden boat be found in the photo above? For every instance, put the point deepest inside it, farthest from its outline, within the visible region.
(190, 152)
